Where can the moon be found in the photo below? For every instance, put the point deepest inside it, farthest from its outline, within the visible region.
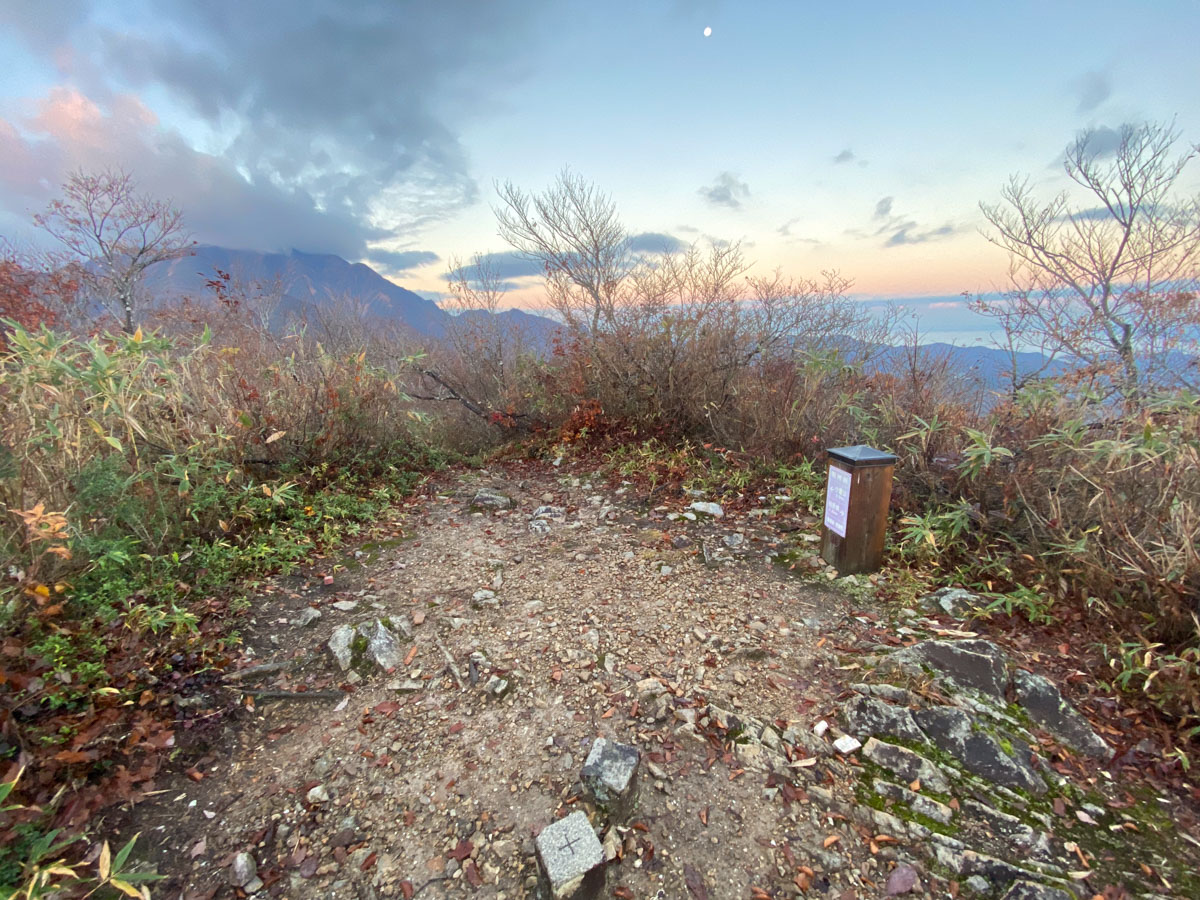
(708, 32)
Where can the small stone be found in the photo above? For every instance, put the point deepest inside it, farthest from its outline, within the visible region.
(318, 794)
(1031, 890)
(483, 598)
(253, 886)
(733, 541)
(487, 498)
(978, 884)
(307, 617)
(539, 526)
(820, 728)
(610, 777)
(345, 605)
(571, 859)
(954, 602)
(707, 508)
(496, 686)
(243, 871)
(902, 880)
(407, 686)
(846, 744)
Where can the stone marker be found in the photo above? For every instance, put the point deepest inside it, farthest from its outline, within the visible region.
(610, 777)
(571, 859)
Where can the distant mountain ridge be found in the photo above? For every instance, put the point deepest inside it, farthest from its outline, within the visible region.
(310, 281)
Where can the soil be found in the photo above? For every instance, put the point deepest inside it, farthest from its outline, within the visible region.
(427, 781)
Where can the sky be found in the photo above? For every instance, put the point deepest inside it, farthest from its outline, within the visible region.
(857, 137)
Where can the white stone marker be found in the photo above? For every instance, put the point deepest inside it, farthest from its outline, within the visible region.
(571, 858)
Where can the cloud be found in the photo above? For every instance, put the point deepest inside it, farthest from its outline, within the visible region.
(341, 108)
(505, 266)
(1102, 141)
(1093, 88)
(220, 205)
(656, 242)
(726, 190)
(953, 304)
(845, 156)
(883, 208)
(909, 233)
(402, 260)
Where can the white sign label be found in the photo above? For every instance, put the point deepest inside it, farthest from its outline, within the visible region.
(837, 501)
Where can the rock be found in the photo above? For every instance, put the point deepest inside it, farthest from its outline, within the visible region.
(340, 645)
(243, 870)
(354, 645)
(610, 778)
(557, 513)
(902, 880)
(820, 728)
(978, 884)
(407, 686)
(954, 602)
(1032, 890)
(345, 605)
(707, 508)
(571, 859)
(918, 803)
(318, 794)
(496, 686)
(253, 886)
(846, 744)
(972, 663)
(866, 716)
(487, 498)
(382, 645)
(307, 617)
(1046, 707)
(908, 764)
(539, 526)
(950, 730)
(484, 598)
(733, 541)
(648, 688)
(1010, 830)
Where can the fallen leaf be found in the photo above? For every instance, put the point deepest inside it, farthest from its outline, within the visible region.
(695, 883)
(198, 848)
(411, 655)
(831, 840)
(407, 889)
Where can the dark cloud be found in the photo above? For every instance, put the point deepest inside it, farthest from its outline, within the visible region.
(342, 108)
(845, 156)
(402, 260)
(883, 208)
(726, 190)
(1094, 88)
(656, 242)
(220, 205)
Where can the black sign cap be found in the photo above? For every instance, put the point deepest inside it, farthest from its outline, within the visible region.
(860, 455)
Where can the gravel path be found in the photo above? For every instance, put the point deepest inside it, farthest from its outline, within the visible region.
(572, 615)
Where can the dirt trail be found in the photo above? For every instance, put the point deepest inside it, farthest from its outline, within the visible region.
(538, 610)
(609, 596)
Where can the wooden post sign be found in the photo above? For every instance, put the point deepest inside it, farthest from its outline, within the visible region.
(857, 497)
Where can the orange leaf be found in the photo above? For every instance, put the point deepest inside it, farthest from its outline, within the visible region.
(831, 840)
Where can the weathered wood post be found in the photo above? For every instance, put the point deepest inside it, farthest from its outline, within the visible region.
(857, 497)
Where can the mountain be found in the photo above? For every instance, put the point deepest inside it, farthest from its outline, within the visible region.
(312, 281)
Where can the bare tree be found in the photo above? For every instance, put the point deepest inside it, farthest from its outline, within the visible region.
(1110, 281)
(572, 228)
(117, 233)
